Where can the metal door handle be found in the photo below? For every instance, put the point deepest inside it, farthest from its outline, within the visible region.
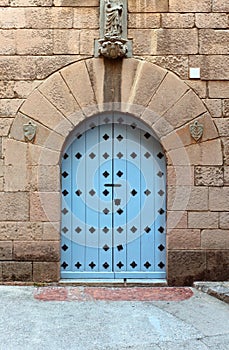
(112, 185)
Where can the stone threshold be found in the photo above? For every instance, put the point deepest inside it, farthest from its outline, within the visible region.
(114, 282)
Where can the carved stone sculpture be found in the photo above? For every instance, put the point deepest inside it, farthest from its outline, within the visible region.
(113, 42)
(29, 131)
(196, 130)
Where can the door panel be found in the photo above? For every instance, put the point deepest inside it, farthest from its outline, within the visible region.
(113, 204)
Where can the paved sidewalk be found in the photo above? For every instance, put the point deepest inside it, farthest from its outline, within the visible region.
(199, 322)
(218, 290)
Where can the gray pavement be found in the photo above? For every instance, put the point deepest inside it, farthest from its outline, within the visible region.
(199, 323)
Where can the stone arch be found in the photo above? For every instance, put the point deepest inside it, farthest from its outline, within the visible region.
(86, 88)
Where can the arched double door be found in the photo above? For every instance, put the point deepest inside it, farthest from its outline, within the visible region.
(113, 201)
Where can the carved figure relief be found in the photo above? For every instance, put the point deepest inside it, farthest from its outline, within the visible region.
(196, 130)
(113, 23)
(29, 131)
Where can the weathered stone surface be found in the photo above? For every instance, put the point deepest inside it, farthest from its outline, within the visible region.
(76, 3)
(66, 41)
(42, 156)
(183, 239)
(175, 20)
(225, 141)
(31, 3)
(215, 239)
(176, 64)
(223, 126)
(219, 199)
(51, 231)
(9, 107)
(46, 272)
(15, 151)
(7, 42)
(6, 89)
(144, 20)
(29, 231)
(14, 206)
(87, 38)
(12, 18)
(22, 89)
(219, 89)
(8, 230)
(213, 67)
(34, 42)
(17, 271)
(86, 18)
(5, 124)
(224, 220)
(213, 42)
(220, 6)
(209, 176)
(203, 219)
(211, 20)
(44, 206)
(174, 41)
(226, 175)
(6, 250)
(45, 178)
(187, 198)
(226, 108)
(148, 6)
(80, 87)
(142, 44)
(180, 176)
(214, 106)
(36, 251)
(177, 219)
(190, 6)
(217, 265)
(47, 18)
(185, 267)
(199, 87)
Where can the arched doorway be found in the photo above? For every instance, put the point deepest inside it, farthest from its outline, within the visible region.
(113, 201)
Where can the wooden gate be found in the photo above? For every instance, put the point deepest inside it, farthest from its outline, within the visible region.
(113, 203)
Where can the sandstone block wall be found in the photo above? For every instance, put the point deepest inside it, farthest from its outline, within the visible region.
(40, 37)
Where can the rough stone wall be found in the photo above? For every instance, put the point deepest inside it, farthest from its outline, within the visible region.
(37, 38)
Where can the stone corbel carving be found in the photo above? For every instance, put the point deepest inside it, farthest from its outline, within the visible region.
(196, 130)
(29, 131)
(113, 42)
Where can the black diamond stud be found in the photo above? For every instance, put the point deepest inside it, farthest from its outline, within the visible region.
(120, 265)
(120, 247)
(65, 156)
(161, 247)
(79, 136)
(106, 265)
(133, 264)
(147, 265)
(92, 229)
(120, 120)
(160, 174)
(117, 201)
(120, 211)
(160, 155)
(161, 211)
(78, 155)
(92, 155)
(105, 192)
(64, 265)
(161, 229)
(147, 155)
(64, 174)
(133, 192)
(78, 193)
(106, 174)
(133, 155)
(92, 126)
(133, 126)
(64, 247)
(64, 211)
(147, 229)
(106, 248)
(119, 138)
(78, 265)
(78, 229)
(65, 193)
(119, 173)
(64, 229)
(147, 192)
(92, 265)
(106, 137)
(119, 155)
(119, 229)
(105, 229)
(161, 193)
(106, 211)
(133, 229)
(106, 155)
(92, 192)
(147, 135)
(161, 265)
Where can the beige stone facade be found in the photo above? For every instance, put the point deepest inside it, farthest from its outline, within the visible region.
(48, 75)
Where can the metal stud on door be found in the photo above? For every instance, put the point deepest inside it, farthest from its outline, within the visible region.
(113, 204)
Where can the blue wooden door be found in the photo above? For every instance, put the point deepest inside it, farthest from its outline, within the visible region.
(113, 204)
